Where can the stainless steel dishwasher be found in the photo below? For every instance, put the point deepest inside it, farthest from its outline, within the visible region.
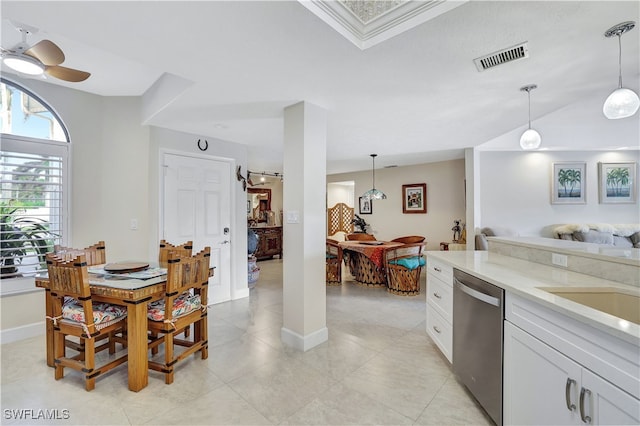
(478, 314)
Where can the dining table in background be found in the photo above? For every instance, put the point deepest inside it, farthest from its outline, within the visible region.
(366, 260)
(130, 290)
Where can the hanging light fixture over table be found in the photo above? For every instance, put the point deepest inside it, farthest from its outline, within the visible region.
(622, 102)
(373, 193)
(530, 139)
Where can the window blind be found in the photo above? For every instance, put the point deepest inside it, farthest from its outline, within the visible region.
(32, 209)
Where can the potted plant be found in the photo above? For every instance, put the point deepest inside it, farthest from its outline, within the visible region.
(21, 236)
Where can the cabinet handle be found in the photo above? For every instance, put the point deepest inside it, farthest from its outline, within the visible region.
(437, 330)
(584, 418)
(436, 295)
(435, 268)
(567, 394)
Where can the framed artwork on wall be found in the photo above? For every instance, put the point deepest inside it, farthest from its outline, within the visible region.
(568, 183)
(617, 182)
(414, 198)
(366, 206)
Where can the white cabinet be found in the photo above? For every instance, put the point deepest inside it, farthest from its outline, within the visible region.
(440, 305)
(543, 386)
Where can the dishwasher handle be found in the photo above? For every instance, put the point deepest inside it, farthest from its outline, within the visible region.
(476, 294)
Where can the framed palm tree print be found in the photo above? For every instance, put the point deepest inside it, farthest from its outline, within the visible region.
(617, 182)
(568, 183)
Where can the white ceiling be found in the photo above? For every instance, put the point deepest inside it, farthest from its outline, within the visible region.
(413, 98)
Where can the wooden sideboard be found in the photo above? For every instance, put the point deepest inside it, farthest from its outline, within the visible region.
(269, 241)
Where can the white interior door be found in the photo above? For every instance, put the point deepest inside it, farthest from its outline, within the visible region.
(196, 206)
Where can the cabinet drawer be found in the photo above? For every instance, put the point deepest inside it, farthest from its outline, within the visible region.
(440, 332)
(440, 297)
(440, 270)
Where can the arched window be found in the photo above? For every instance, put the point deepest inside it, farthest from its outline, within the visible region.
(34, 157)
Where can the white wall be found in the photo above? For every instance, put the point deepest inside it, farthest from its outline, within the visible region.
(340, 192)
(445, 200)
(515, 190)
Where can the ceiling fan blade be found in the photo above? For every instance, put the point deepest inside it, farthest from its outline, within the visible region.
(46, 52)
(67, 74)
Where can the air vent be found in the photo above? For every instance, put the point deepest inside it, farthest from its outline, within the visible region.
(503, 56)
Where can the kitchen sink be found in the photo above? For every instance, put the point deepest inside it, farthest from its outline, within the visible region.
(614, 301)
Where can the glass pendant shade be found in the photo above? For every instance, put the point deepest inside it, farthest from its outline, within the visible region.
(530, 139)
(373, 193)
(23, 64)
(621, 103)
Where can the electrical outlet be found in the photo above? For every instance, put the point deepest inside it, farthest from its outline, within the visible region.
(134, 224)
(559, 259)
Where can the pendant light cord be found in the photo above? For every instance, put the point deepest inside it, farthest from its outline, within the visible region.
(620, 61)
(374, 171)
(529, 96)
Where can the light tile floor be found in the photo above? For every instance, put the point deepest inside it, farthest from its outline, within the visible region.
(378, 367)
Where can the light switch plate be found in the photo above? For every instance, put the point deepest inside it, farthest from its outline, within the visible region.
(293, 216)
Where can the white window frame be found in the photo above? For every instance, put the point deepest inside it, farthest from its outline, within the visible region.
(36, 146)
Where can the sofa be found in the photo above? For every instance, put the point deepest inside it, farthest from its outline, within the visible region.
(622, 236)
(494, 231)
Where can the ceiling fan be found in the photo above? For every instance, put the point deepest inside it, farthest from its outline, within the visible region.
(43, 57)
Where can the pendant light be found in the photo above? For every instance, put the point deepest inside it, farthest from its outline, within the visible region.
(373, 193)
(530, 139)
(622, 102)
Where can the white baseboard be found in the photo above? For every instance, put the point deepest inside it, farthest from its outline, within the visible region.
(304, 343)
(23, 332)
(240, 294)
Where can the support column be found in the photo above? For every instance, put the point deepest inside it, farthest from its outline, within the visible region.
(304, 226)
(472, 178)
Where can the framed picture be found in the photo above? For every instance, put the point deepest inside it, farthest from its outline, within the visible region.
(414, 198)
(366, 206)
(568, 183)
(617, 182)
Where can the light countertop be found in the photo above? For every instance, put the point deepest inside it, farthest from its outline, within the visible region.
(523, 278)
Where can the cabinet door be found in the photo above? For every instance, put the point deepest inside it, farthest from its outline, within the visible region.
(536, 387)
(607, 404)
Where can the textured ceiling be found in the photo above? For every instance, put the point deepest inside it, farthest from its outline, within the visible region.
(230, 67)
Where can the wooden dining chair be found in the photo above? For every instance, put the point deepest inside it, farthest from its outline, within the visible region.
(334, 263)
(411, 239)
(75, 314)
(95, 254)
(359, 236)
(183, 250)
(184, 303)
(403, 265)
(166, 248)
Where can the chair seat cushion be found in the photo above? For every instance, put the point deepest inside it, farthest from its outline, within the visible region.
(184, 304)
(409, 262)
(102, 312)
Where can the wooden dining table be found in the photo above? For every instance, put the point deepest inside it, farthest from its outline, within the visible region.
(126, 290)
(366, 260)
